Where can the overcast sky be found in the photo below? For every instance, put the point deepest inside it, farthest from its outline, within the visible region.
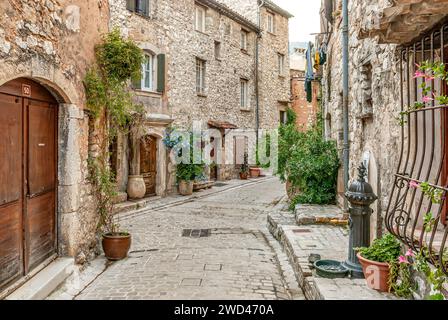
(306, 18)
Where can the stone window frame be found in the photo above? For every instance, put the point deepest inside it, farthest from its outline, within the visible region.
(218, 50)
(244, 94)
(271, 23)
(281, 64)
(244, 40)
(201, 69)
(203, 26)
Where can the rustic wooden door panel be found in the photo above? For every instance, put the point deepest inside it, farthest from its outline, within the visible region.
(10, 148)
(11, 248)
(11, 237)
(41, 148)
(148, 163)
(41, 164)
(41, 228)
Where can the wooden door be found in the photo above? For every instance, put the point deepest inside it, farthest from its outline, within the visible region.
(11, 204)
(28, 116)
(41, 182)
(148, 163)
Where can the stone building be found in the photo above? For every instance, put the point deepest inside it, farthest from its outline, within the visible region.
(387, 40)
(306, 111)
(45, 207)
(220, 68)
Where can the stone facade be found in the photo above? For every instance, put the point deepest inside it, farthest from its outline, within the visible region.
(374, 96)
(52, 42)
(373, 105)
(169, 29)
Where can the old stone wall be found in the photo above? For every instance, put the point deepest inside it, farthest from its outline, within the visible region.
(275, 89)
(373, 104)
(306, 111)
(52, 42)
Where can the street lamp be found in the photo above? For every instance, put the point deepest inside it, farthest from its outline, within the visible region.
(360, 196)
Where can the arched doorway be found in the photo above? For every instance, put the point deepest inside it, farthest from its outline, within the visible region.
(28, 177)
(148, 163)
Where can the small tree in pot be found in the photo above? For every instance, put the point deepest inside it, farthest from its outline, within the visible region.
(112, 110)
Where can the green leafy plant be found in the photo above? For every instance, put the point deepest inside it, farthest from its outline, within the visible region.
(308, 162)
(386, 249)
(190, 171)
(112, 110)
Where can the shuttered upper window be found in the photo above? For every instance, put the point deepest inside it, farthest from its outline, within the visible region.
(148, 70)
(244, 36)
(271, 22)
(142, 7)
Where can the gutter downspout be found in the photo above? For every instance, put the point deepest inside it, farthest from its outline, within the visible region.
(345, 102)
(257, 77)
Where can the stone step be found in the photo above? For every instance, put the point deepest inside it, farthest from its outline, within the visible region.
(316, 214)
(45, 281)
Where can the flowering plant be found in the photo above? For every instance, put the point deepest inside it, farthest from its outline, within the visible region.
(428, 72)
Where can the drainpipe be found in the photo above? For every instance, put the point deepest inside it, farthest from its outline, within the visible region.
(345, 70)
(257, 78)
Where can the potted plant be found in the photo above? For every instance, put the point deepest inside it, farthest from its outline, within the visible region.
(186, 173)
(244, 171)
(377, 259)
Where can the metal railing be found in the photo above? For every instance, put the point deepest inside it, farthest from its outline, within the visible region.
(412, 216)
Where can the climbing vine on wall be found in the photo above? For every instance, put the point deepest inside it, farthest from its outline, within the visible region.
(113, 111)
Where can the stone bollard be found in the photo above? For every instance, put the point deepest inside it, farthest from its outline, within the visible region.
(360, 196)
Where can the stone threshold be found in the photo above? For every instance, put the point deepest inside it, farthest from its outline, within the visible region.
(330, 242)
(43, 281)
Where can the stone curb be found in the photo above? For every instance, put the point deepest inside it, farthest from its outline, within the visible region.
(298, 262)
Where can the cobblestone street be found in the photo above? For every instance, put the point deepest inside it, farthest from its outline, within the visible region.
(239, 259)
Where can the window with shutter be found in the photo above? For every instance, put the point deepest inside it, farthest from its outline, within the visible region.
(139, 6)
(200, 18)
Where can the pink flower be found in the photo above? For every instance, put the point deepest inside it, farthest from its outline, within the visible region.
(402, 259)
(414, 184)
(419, 74)
(427, 99)
(409, 253)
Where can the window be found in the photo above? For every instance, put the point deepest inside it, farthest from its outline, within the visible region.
(200, 18)
(200, 76)
(217, 50)
(139, 6)
(283, 118)
(148, 77)
(244, 94)
(281, 64)
(271, 22)
(244, 35)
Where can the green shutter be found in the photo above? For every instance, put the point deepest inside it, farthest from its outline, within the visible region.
(130, 5)
(161, 72)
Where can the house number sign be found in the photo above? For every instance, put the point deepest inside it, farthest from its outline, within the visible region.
(26, 90)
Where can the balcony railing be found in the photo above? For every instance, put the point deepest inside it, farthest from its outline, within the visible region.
(412, 216)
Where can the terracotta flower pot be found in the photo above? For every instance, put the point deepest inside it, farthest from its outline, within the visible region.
(136, 187)
(254, 172)
(244, 175)
(116, 247)
(376, 274)
(186, 187)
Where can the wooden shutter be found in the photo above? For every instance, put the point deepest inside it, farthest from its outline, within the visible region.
(130, 5)
(161, 61)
